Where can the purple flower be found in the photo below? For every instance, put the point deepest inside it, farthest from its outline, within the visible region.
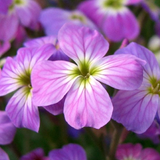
(15, 76)
(113, 18)
(35, 154)
(87, 103)
(52, 23)
(3, 155)
(68, 152)
(135, 152)
(137, 109)
(24, 12)
(7, 129)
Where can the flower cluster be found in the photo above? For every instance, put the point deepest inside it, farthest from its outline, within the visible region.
(76, 75)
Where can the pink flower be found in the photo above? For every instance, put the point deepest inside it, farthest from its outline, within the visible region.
(87, 103)
(15, 13)
(15, 76)
(113, 18)
(135, 152)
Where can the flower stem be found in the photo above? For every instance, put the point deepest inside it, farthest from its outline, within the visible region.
(118, 128)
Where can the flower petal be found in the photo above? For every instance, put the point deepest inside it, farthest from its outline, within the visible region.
(121, 25)
(81, 43)
(4, 47)
(21, 110)
(33, 155)
(51, 81)
(39, 42)
(31, 11)
(87, 104)
(136, 109)
(150, 154)
(68, 152)
(56, 108)
(52, 24)
(7, 129)
(4, 6)
(8, 27)
(128, 150)
(9, 77)
(91, 10)
(120, 71)
(151, 67)
(3, 155)
(30, 56)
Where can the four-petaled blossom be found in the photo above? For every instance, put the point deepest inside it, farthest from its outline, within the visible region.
(135, 152)
(15, 76)
(87, 103)
(68, 152)
(113, 18)
(137, 109)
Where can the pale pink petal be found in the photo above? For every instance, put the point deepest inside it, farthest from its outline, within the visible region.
(152, 67)
(87, 104)
(82, 43)
(7, 129)
(136, 109)
(51, 81)
(68, 152)
(21, 110)
(3, 155)
(120, 71)
(28, 57)
(9, 77)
